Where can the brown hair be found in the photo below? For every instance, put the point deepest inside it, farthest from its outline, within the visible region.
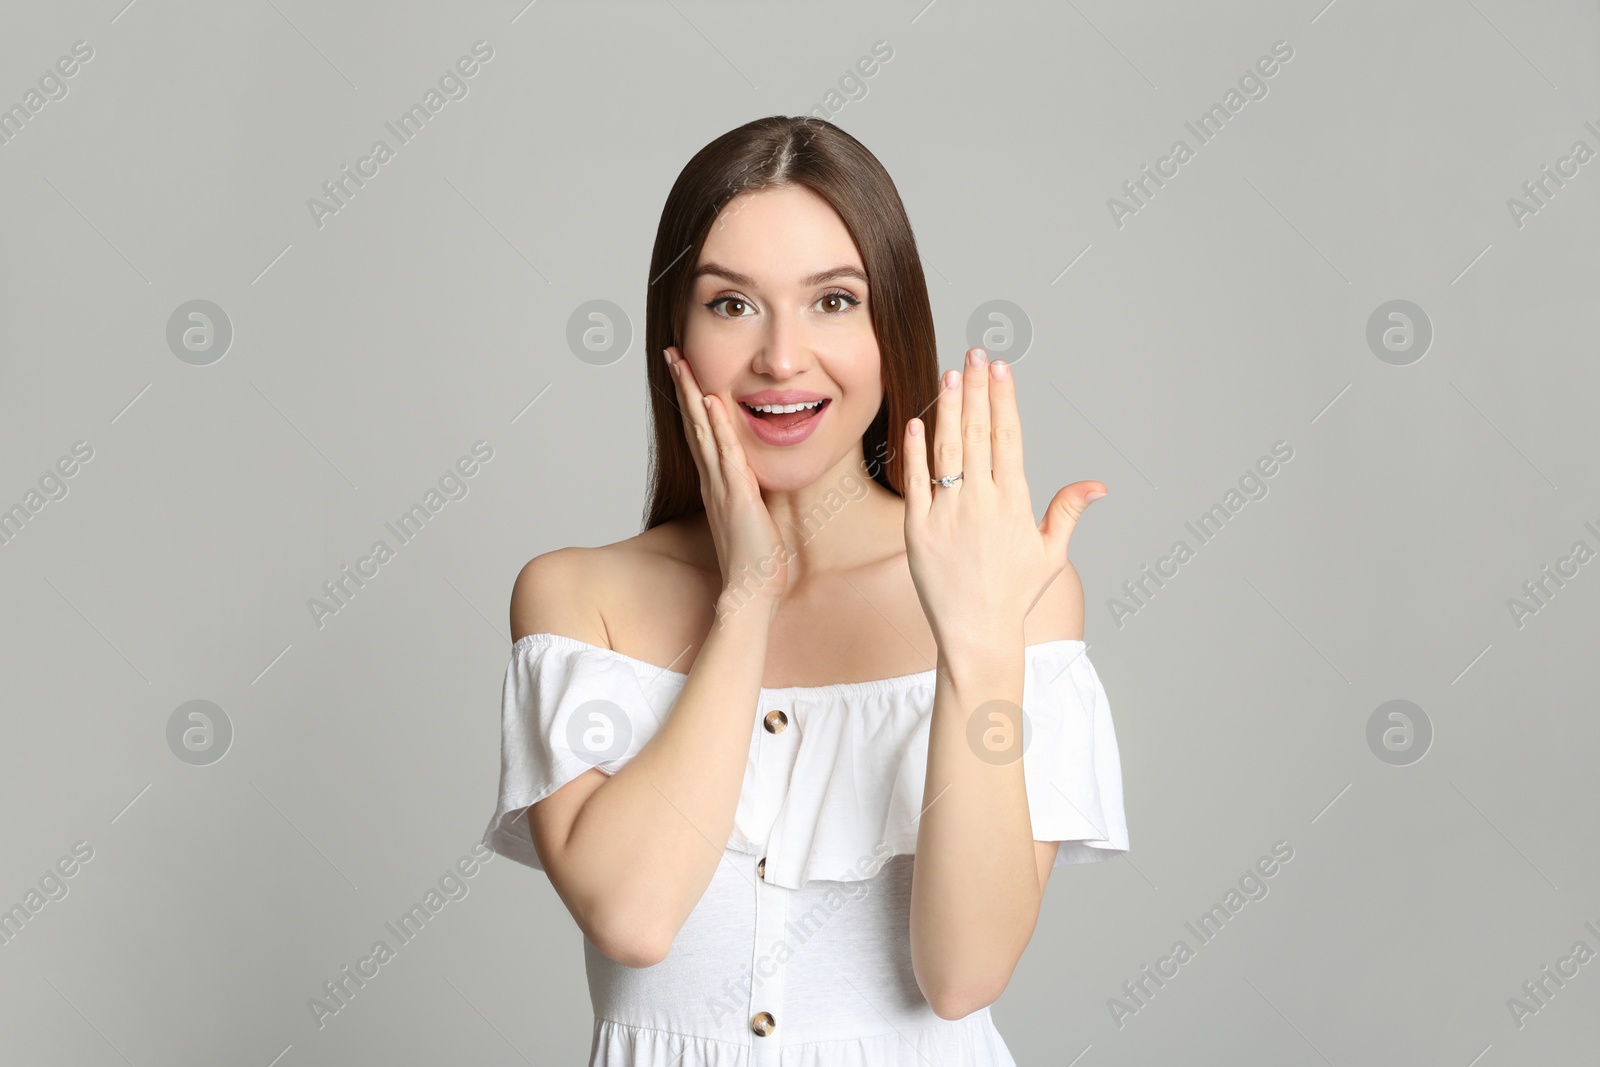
(815, 153)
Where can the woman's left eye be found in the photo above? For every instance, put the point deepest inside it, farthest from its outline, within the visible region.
(840, 296)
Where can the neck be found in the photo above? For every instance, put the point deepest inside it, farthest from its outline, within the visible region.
(842, 521)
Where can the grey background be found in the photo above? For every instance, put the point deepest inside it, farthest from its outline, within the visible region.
(369, 354)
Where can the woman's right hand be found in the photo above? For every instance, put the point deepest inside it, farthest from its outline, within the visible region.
(750, 550)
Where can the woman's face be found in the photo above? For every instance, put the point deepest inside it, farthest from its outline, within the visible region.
(765, 326)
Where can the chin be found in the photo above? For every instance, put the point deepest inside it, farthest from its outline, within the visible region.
(785, 482)
(790, 476)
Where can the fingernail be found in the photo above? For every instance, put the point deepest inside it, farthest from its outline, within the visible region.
(706, 400)
(977, 357)
(1093, 495)
(952, 378)
(998, 368)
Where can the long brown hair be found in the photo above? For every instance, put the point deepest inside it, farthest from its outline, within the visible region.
(815, 153)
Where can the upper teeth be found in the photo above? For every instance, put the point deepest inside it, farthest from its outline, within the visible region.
(777, 409)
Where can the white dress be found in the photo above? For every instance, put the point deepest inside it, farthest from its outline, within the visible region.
(798, 954)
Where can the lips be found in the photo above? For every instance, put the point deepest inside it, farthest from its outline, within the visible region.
(787, 428)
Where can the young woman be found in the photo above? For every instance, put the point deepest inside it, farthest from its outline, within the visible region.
(801, 756)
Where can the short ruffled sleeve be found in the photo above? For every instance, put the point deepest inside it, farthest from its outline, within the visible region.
(566, 706)
(1072, 766)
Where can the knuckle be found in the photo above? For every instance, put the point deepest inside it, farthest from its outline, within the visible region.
(976, 430)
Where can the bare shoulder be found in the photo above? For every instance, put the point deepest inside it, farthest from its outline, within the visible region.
(552, 595)
(1059, 611)
(585, 593)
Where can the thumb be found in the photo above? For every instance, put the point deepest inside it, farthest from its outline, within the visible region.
(1061, 517)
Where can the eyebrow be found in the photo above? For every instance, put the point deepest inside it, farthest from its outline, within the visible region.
(744, 279)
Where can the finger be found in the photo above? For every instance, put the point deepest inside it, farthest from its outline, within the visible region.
(697, 428)
(918, 490)
(730, 453)
(686, 413)
(1061, 517)
(671, 356)
(947, 430)
(1008, 469)
(976, 423)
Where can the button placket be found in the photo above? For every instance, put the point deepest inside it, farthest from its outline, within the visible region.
(772, 905)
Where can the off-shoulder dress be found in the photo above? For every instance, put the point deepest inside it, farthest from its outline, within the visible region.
(798, 954)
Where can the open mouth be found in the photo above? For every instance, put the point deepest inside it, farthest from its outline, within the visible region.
(784, 418)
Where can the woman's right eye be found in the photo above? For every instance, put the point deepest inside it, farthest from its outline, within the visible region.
(730, 300)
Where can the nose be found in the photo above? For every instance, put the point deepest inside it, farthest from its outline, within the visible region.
(782, 348)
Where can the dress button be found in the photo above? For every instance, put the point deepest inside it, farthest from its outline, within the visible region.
(775, 722)
(761, 868)
(763, 1023)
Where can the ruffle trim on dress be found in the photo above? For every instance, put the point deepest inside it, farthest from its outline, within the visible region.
(856, 790)
(972, 1041)
(856, 793)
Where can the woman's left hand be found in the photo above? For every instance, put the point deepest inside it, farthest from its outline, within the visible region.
(978, 559)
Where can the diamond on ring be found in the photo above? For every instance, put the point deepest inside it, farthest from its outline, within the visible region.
(947, 481)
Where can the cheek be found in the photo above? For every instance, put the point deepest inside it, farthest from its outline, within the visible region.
(713, 368)
(868, 388)
(862, 374)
